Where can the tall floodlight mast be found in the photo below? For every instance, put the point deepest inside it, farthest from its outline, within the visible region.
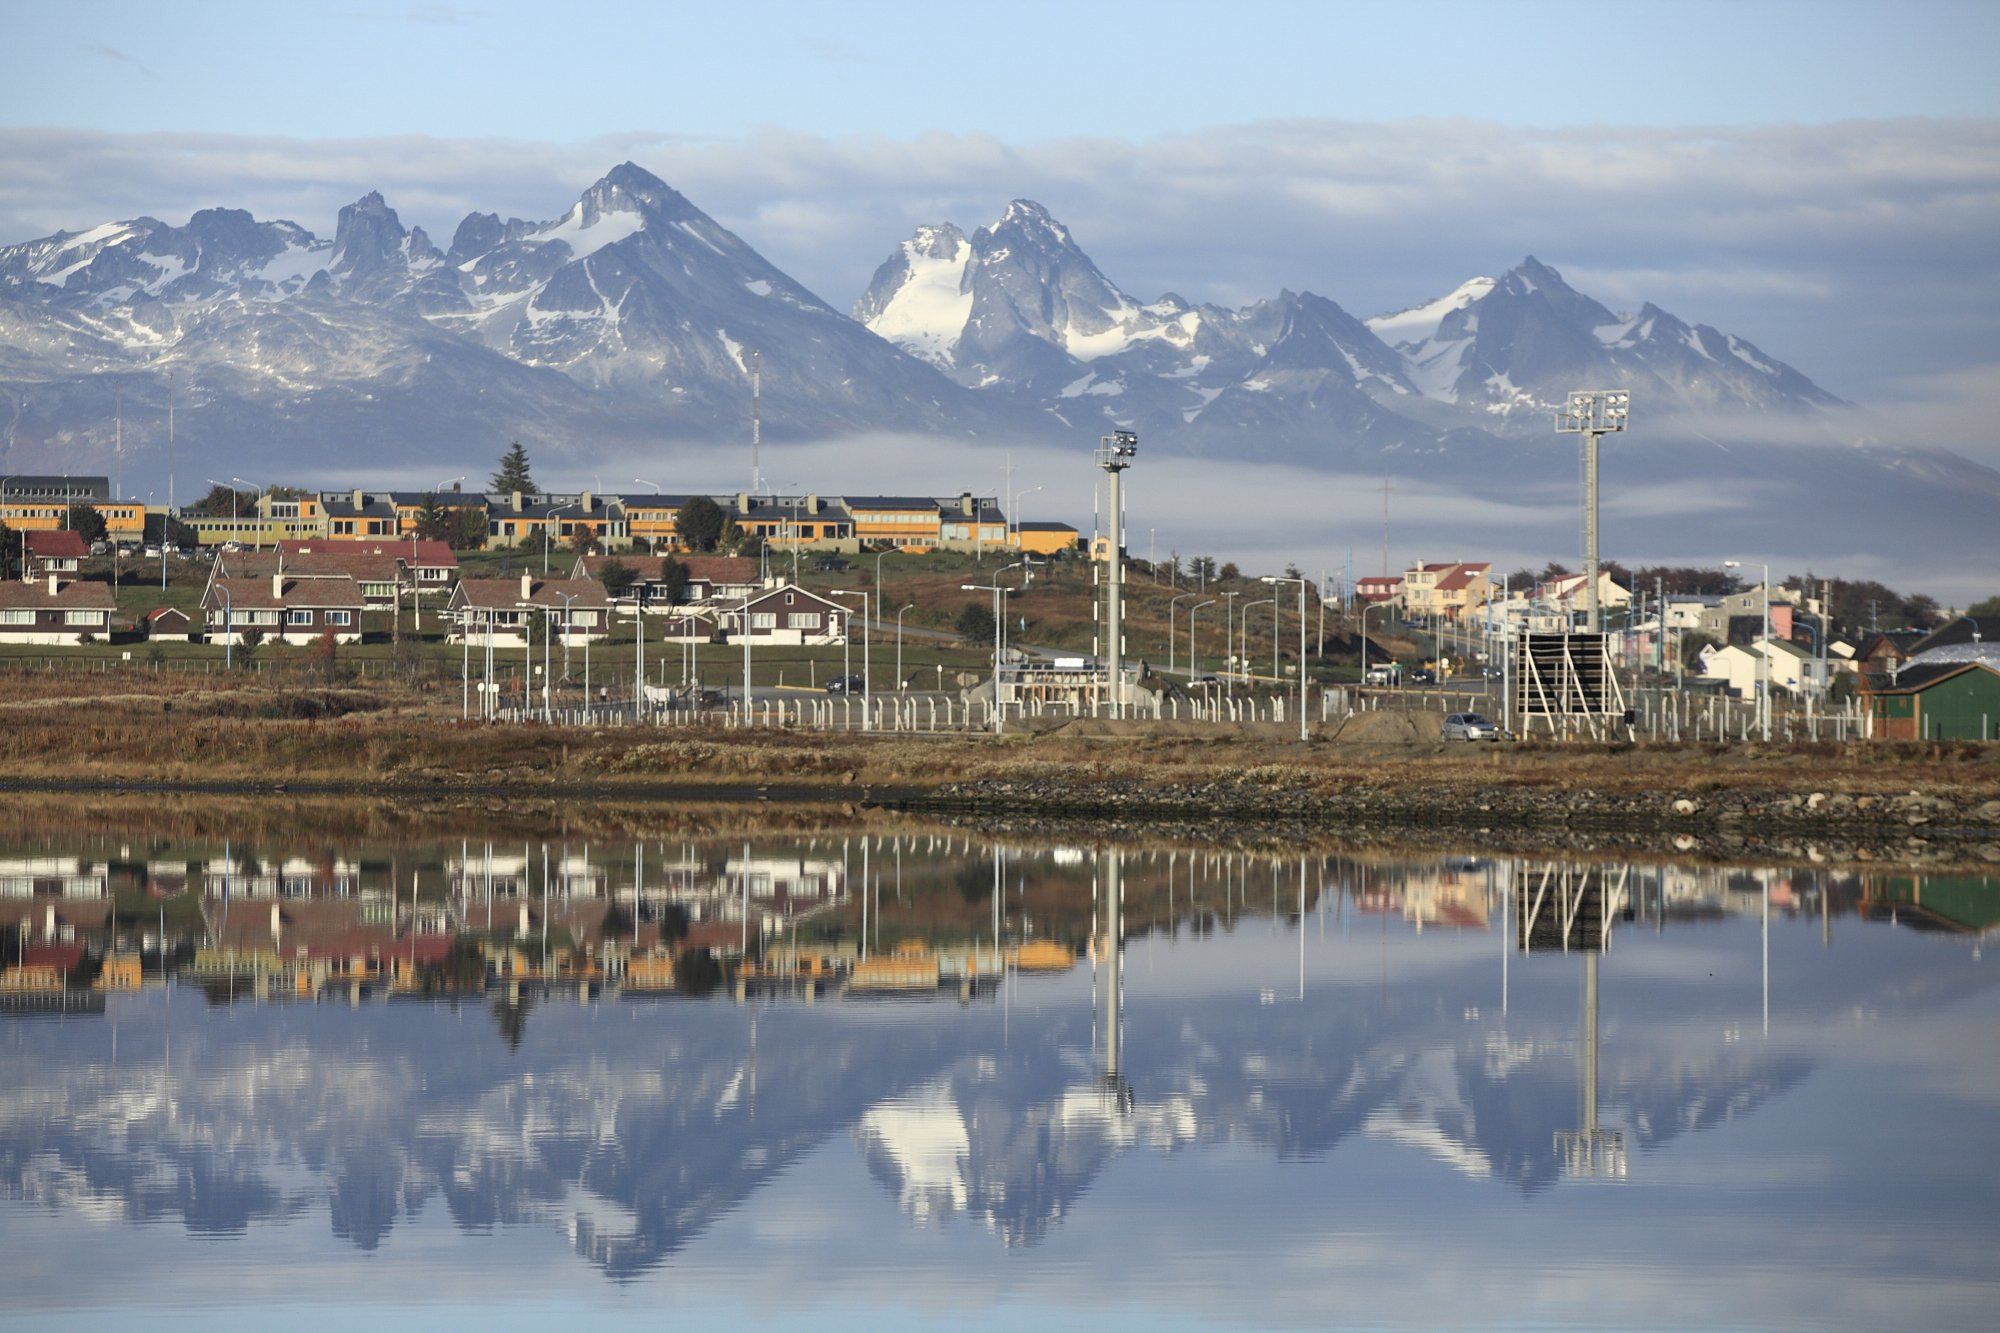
(1115, 453)
(1592, 413)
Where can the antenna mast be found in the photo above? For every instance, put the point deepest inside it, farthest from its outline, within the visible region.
(756, 422)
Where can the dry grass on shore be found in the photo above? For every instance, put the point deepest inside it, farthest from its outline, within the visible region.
(181, 730)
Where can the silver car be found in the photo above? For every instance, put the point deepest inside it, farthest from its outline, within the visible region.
(1469, 727)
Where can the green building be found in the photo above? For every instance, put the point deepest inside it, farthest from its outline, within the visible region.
(1952, 700)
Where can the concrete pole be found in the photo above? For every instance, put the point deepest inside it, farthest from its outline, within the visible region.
(1114, 946)
(1115, 610)
(1590, 1047)
(1595, 613)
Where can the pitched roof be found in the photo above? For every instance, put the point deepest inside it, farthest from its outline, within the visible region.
(323, 561)
(336, 592)
(1043, 527)
(162, 612)
(1914, 678)
(506, 593)
(16, 596)
(59, 544)
(410, 550)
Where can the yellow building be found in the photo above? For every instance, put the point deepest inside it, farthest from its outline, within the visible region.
(893, 520)
(1045, 539)
(268, 521)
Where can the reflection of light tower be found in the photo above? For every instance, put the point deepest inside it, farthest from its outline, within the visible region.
(1115, 453)
(1592, 413)
(1569, 907)
(1112, 1000)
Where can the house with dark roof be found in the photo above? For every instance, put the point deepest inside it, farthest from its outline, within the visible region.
(53, 614)
(1046, 538)
(786, 615)
(282, 608)
(707, 579)
(505, 611)
(1950, 693)
(1959, 630)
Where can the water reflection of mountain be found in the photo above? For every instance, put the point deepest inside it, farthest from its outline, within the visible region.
(634, 1128)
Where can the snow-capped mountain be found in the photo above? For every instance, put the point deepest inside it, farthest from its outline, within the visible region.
(1514, 346)
(627, 323)
(1018, 307)
(631, 316)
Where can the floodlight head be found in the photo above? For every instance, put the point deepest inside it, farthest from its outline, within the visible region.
(1732, 564)
(1594, 412)
(1116, 451)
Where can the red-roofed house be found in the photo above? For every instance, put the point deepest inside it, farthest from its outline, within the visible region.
(428, 566)
(166, 624)
(59, 553)
(1376, 589)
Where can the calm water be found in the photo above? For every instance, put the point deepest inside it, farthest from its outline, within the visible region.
(402, 1071)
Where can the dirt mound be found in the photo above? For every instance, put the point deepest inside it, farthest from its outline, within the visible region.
(1385, 727)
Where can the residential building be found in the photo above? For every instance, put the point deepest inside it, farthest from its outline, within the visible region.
(1739, 608)
(282, 608)
(1379, 589)
(801, 521)
(1046, 539)
(166, 624)
(57, 554)
(786, 615)
(266, 521)
(1792, 668)
(1571, 594)
(52, 614)
(896, 520)
(1951, 693)
(424, 566)
(377, 576)
(1959, 630)
(970, 523)
(1446, 591)
(505, 611)
(358, 514)
(707, 579)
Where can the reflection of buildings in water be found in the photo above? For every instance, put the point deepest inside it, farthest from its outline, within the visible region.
(1955, 904)
(53, 877)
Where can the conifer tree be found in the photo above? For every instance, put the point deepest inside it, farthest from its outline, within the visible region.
(514, 474)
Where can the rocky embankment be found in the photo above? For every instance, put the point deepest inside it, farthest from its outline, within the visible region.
(1909, 826)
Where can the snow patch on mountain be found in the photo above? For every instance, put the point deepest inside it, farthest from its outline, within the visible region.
(1415, 325)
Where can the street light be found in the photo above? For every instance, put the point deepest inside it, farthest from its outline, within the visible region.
(1275, 579)
(1373, 606)
(1244, 638)
(1192, 663)
(1228, 631)
(999, 618)
(641, 481)
(1592, 413)
(1115, 453)
(899, 644)
(866, 701)
(1014, 508)
(1171, 604)
(1763, 655)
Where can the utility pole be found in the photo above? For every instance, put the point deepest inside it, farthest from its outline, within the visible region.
(1115, 453)
(1384, 488)
(756, 422)
(1592, 413)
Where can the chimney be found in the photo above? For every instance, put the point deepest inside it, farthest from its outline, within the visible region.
(812, 504)
(965, 503)
(587, 498)
(517, 502)
(527, 585)
(742, 502)
(357, 499)
(278, 585)
(53, 586)
(277, 925)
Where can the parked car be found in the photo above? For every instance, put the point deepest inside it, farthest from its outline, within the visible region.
(1423, 676)
(1469, 727)
(828, 564)
(845, 685)
(1383, 675)
(1205, 678)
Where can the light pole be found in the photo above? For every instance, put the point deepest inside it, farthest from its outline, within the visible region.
(899, 644)
(743, 626)
(232, 505)
(866, 723)
(1014, 511)
(1593, 413)
(1274, 579)
(1228, 631)
(1172, 603)
(1115, 453)
(253, 486)
(999, 618)
(1372, 606)
(1763, 655)
(1244, 638)
(228, 626)
(1192, 665)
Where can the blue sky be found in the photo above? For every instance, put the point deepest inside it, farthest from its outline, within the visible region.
(1019, 71)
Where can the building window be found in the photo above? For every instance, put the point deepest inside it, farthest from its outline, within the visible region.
(93, 618)
(763, 620)
(17, 617)
(340, 617)
(802, 620)
(587, 619)
(298, 617)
